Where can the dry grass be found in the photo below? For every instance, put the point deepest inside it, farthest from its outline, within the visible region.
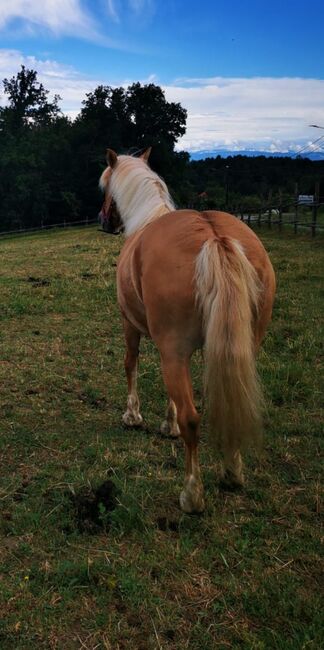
(244, 575)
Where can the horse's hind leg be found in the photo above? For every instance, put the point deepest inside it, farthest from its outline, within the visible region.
(132, 416)
(176, 377)
(169, 426)
(232, 476)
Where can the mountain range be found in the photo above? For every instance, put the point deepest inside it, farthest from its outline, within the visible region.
(225, 153)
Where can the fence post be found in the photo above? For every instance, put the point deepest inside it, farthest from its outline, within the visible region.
(270, 211)
(259, 216)
(296, 209)
(280, 211)
(314, 210)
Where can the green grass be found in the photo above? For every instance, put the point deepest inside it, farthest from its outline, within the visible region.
(246, 574)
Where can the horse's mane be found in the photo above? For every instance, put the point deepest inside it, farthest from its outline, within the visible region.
(140, 194)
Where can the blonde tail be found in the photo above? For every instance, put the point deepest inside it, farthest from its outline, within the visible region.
(228, 292)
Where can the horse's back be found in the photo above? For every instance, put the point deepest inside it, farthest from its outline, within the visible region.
(183, 232)
(171, 245)
(156, 271)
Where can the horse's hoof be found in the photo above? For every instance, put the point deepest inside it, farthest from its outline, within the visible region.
(192, 497)
(132, 419)
(230, 481)
(171, 430)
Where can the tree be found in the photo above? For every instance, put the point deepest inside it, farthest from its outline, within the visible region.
(154, 119)
(135, 118)
(25, 128)
(127, 120)
(28, 101)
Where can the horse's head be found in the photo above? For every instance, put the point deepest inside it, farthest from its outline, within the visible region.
(109, 214)
(110, 217)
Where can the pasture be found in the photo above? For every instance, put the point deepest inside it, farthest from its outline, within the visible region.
(142, 575)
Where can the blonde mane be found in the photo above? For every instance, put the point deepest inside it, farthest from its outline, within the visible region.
(139, 193)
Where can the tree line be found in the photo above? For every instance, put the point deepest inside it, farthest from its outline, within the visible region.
(50, 165)
(250, 182)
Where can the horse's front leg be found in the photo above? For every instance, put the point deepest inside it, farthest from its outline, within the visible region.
(132, 416)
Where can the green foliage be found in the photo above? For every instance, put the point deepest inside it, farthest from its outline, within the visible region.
(28, 101)
(49, 165)
(250, 182)
(32, 131)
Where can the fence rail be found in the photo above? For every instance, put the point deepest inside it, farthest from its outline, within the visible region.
(51, 226)
(296, 215)
(270, 215)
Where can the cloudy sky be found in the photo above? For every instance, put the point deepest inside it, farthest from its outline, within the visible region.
(249, 72)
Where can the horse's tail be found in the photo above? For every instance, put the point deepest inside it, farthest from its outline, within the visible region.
(228, 292)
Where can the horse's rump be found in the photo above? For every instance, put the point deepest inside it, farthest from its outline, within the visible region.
(157, 269)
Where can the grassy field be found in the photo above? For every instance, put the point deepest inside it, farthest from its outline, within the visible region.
(245, 574)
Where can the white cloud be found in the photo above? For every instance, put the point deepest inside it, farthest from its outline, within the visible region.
(57, 78)
(61, 17)
(119, 9)
(112, 10)
(260, 113)
(140, 6)
(66, 18)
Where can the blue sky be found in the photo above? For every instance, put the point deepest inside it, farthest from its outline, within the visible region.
(249, 72)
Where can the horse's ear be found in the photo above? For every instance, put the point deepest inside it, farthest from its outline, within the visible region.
(111, 158)
(145, 156)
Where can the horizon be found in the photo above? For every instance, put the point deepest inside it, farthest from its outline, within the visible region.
(250, 77)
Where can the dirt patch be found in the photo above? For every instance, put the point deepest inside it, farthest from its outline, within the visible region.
(92, 507)
(38, 282)
(88, 276)
(93, 399)
(164, 523)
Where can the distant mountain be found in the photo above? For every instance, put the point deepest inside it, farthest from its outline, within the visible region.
(225, 153)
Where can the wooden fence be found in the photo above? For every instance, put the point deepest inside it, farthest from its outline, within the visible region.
(65, 224)
(295, 214)
(298, 216)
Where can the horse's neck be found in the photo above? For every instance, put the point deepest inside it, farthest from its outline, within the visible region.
(153, 207)
(161, 209)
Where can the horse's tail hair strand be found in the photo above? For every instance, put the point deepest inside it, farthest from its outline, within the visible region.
(228, 293)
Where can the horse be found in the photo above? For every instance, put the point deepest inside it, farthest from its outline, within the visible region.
(190, 280)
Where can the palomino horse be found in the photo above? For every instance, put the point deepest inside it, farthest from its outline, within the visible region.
(190, 280)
